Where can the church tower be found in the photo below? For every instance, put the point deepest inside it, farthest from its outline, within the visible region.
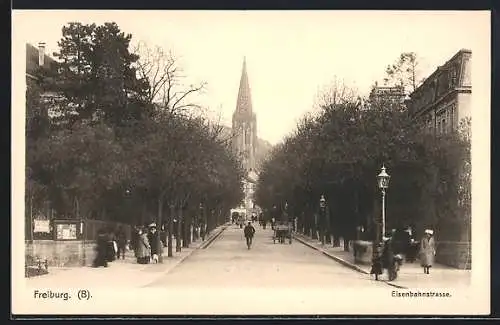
(245, 125)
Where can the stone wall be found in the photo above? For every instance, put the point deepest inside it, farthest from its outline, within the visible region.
(455, 254)
(62, 253)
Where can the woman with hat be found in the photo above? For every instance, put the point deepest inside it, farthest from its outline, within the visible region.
(143, 248)
(427, 250)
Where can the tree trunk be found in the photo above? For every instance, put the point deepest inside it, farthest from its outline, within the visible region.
(346, 245)
(170, 231)
(185, 233)
(160, 221)
(178, 231)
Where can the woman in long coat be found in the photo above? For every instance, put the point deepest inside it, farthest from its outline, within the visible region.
(143, 248)
(427, 250)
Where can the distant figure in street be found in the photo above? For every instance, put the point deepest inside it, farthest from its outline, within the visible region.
(388, 251)
(134, 238)
(122, 243)
(377, 267)
(249, 231)
(154, 242)
(427, 250)
(111, 245)
(101, 250)
(163, 235)
(143, 249)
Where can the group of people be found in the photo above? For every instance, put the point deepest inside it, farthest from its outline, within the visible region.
(393, 247)
(147, 244)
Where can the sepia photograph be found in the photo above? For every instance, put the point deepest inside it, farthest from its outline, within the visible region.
(250, 162)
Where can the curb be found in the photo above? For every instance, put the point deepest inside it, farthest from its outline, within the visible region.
(210, 240)
(202, 246)
(333, 257)
(344, 262)
(182, 259)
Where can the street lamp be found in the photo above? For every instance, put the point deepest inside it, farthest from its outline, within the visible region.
(383, 183)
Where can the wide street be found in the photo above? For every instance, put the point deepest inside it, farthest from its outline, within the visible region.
(228, 263)
(227, 278)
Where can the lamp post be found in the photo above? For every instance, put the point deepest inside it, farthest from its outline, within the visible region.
(383, 183)
(202, 222)
(320, 224)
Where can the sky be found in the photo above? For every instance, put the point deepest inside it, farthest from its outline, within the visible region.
(290, 55)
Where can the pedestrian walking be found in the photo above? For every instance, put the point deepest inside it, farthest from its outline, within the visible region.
(427, 250)
(154, 242)
(143, 249)
(388, 251)
(134, 238)
(121, 238)
(249, 231)
(101, 248)
(111, 245)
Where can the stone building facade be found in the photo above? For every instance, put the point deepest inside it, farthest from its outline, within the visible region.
(48, 101)
(441, 102)
(444, 98)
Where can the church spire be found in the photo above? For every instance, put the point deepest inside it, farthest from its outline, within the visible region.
(244, 102)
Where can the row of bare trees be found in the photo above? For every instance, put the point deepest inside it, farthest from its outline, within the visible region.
(125, 139)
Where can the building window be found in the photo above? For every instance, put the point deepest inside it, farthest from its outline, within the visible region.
(453, 78)
(452, 117)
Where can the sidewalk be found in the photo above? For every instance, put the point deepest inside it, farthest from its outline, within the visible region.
(411, 275)
(120, 273)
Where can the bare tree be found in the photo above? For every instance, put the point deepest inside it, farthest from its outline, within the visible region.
(336, 93)
(404, 72)
(160, 69)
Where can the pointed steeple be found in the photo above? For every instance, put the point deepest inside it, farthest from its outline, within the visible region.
(244, 102)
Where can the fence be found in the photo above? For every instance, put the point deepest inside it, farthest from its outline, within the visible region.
(88, 228)
(65, 242)
(91, 228)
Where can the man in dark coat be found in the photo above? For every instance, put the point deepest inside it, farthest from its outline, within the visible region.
(101, 249)
(134, 238)
(388, 251)
(111, 252)
(249, 231)
(122, 243)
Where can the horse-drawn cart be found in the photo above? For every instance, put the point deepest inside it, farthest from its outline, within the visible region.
(282, 232)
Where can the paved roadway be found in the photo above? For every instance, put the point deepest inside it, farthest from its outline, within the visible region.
(228, 263)
(227, 278)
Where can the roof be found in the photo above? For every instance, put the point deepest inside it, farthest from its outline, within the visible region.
(32, 59)
(429, 79)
